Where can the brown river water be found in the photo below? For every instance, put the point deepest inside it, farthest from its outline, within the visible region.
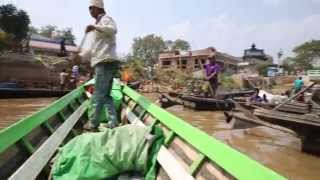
(12, 110)
(276, 150)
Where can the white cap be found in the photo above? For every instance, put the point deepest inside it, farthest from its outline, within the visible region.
(97, 3)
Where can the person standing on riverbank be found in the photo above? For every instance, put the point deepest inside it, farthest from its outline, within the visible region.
(298, 84)
(63, 50)
(212, 72)
(63, 79)
(102, 56)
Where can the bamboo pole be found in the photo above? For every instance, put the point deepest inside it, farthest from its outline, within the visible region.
(82, 41)
(295, 96)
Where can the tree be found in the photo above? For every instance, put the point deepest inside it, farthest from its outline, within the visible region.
(3, 40)
(288, 65)
(306, 53)
(135, 67)
(148, 48)
(33, 30)
(14, 21)
(169, 44)
(66, 34)
(48, 31)
(263, 69)
(53, 32)
(181, 45)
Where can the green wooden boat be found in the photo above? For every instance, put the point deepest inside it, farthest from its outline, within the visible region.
(27, 147)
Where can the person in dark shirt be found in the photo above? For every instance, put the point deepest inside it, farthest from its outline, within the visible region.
(212, 73)
(63, 49)
(255, 98)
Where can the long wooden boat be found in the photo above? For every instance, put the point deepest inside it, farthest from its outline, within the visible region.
(27, 147)
(290, 107)
(196, 103)
(306, 126)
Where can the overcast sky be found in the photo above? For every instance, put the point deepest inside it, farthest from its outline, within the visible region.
(229, 25)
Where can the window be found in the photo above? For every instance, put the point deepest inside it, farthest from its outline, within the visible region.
(184, 62)
(166, 63)
(196, 61)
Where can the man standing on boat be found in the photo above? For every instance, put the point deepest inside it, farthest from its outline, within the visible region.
(298, 84)
(212, 71)
(102, 56)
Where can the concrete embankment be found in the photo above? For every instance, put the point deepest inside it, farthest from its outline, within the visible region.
(29, 71)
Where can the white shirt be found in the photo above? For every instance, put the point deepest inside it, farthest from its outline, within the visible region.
(103, 46)
(63, 77)
(75, 71)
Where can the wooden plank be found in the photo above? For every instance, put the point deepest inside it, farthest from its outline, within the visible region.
(34, 165)
(168, 162)
(172, 167)
(197, 164)
(133, 119)
(278, 116)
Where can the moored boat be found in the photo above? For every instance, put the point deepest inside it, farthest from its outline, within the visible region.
(306, 126)
(28, 146)
(196, 103)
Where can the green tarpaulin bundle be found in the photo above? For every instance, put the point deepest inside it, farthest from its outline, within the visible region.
(109, 153)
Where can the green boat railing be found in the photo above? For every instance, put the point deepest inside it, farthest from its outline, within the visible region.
(21, 137)
(228, 159)
(21, 140)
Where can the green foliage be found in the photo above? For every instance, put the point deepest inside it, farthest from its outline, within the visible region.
(172, 77)
(136, 67)
(3, 41)
(53, 32)
(227, 82)
(288, 65)
(169, 44)
(66, 34)
(263, 69)
(180, 44)
(14, 21)
(148, 48)
(33, 30)
(48, 31)
(305, 54)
